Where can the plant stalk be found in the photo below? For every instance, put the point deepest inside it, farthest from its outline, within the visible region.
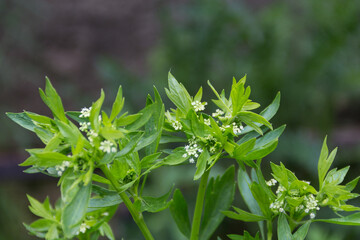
(269, 229)
(136, 215)
(195, 229)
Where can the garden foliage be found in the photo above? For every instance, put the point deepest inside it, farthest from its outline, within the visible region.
(103, 160)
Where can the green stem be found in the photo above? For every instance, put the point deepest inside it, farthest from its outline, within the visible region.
(195, 229)
(136, 215)
(269, 229)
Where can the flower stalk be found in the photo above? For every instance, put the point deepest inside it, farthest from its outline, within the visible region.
(195, 229)
(137, 216)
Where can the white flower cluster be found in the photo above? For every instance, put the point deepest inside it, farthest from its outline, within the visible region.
(84, 126)
(237, 129)
(176, 125)
(85, 112)
(91, 134)
(308, 206)
(83, 228)
(224, 127)
(207, 122)
(280, 189)
(107, 146)
(218, 113)
(61, 168)
(199, 106)
(277, 206)
(192, 150)
(271, 182)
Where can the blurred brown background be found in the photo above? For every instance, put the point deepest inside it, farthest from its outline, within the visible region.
(309, 50)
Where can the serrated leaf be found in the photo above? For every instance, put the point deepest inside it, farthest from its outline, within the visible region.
(53, 101)
(39, 209)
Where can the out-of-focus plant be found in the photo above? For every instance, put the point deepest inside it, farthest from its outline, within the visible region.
(103, 160)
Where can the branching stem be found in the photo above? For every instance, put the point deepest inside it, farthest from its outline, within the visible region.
(136, 215)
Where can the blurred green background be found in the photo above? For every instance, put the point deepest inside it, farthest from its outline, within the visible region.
(309, 50)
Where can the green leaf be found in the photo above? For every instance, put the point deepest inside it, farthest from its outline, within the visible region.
(118, 105)
(149, 160)
(218, 197)
(220, 102)
(23, 120)
(269, 137)
(46, 159)
(154, 204)
(95, 112)
(243, 215)
(179, 211)
(325, 162)
(74, 212)
(110, 133)
(246, 236)
(70, 132)
(175, 158)
(126, 120)
(261, 151)
(201, 164)
(352, 220)
(130, 146)
(284, 232)
(253, 117)
(41, 225)
(301, 233)
(108, 231)
(105, 199)
(52, 233)
(261, 198)
(178, 94)
(271, 110)
(241, 150)
(40, 209)
(53, 101)
(244, 184)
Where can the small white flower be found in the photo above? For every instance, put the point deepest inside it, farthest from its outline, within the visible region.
(185, 155)
(176, 125)
(217, 113)
(59, 173)
(199, 106)
(191, 160)
(85, 112)
(84, 227)
(106, 146)
(66, 163)
(307, 210)
(281, 210)
(84, 126)
(271, 182)
(207, 122)
(236, 129)
(105, 214)
(312, 215)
